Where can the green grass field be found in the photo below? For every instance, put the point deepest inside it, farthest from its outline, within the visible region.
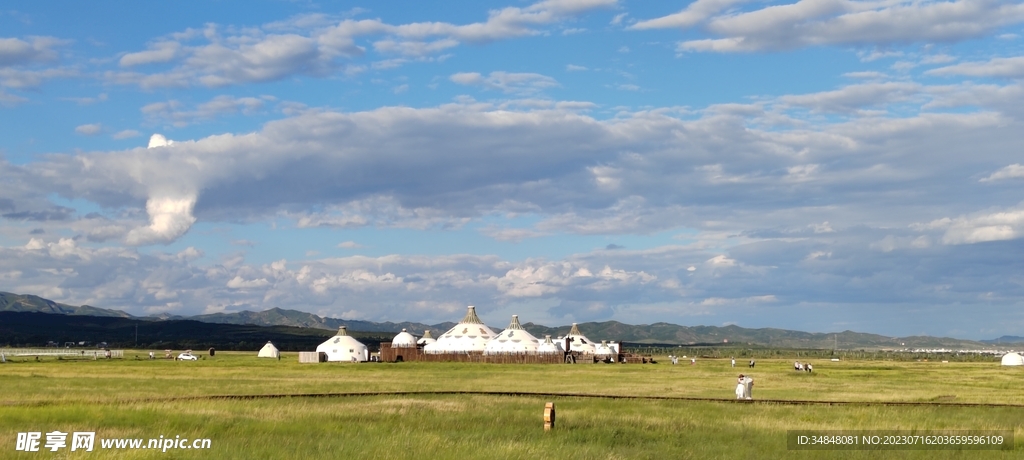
(146, 399)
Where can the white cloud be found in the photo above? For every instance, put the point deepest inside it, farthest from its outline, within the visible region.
(350, 245)
(126, 134)
(506, 82)
(696, 13)
(158, 53)
(837, 22)
(981, 227)
(1012, 67)
(511, 234)
(169, 218)
(574, 68)
(28, 78)
(10, 100)
(89, 129)
(230, 56)
(1014, 171)
(15, 51)
(175, 113)
(852, 98)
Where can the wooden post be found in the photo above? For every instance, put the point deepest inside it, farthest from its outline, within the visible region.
(549, 416)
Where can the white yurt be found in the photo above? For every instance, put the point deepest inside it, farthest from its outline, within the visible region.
(269, 351)
(343, 347)
(1013, 359)
(579, 342)
(603, 350)
(403, 340)
(427, 339)
(469, 335)
(514, 339)
(548, 346)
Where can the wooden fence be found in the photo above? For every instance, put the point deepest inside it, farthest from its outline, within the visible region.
(91, 353)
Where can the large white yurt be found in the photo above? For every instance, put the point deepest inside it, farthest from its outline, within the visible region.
(343, 347)
(1013, 359)
(269, 351)
(548, 346)
(427, 339)
(514, 339)
(579, 342)
(403, 340)
(469, 335)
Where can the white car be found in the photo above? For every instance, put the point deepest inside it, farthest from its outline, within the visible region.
(187, 357)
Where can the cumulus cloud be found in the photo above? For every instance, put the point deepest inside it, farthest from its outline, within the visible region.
(169, 218)
(15, 51)
(836, 22)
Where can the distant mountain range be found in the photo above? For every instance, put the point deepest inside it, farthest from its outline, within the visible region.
(657, 333)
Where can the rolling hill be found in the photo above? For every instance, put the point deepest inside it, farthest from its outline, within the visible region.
(657, 333)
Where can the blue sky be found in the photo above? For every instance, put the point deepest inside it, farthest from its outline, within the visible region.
(820, 165)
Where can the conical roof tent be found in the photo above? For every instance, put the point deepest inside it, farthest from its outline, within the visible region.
(403, 340)
(579, 342)
(469, 335)
(514, 339)
(343, 347)
(269, 351)
(426, 339)
(548, 346)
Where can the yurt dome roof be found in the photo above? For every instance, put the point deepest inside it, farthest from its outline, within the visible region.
(403, 340)
(426, 339)
(1013, 359)
(548, 346)
(579, 342)
(470, 334)
(514, 339)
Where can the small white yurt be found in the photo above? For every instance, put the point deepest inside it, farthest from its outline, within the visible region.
(1013, 359)
(514, 339)
(603, 350)
(403, 340)
(427, 339)
(344, 348)
(579, 342)
(548, 346)
(469, 335)
(269, 351)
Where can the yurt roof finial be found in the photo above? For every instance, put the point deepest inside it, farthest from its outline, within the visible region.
(426, 334)
(575, 330)
(343, 331)
(471, 317)
(515, 323)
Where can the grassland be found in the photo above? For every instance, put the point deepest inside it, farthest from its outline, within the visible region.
(145, 399)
